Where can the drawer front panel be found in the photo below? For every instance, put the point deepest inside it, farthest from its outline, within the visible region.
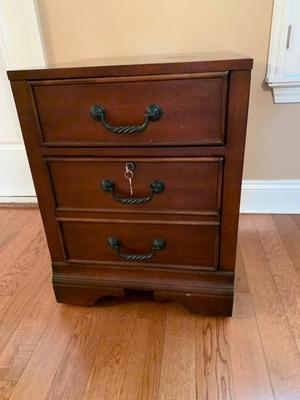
(193, 108)
(191, 185)
(191, 246)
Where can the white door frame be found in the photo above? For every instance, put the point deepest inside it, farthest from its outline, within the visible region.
(21, 46)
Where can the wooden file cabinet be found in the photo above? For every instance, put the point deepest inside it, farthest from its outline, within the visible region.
(179, 124)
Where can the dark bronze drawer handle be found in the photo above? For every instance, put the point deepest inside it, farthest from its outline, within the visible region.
(152, 113)
(157, 245)
(155, 187)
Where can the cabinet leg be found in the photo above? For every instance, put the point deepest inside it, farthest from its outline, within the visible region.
(84, 296)
(199, 303)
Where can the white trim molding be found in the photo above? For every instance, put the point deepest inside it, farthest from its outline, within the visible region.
(21, 38)
(21, 46)
(286, 92)
(15, 176)
(271, 196)
(18, 200)
(283, 72)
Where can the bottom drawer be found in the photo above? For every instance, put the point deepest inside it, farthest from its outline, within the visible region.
(157, 244)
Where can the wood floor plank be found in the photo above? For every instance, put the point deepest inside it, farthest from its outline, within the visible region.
(246, 352)
(178, 364)
(240, 281)
(6, 389)
(17, 247)
(131, 387)
(213, 364)
(25, 288)
(75, 367)
(10, 236)
(22, 262)
(17, 353)
(12, 222)
(5, 225)
(280, 349)
(296, 218)
(290, 234)
(117, 330)
(4, 303)
(141, 379)
(16, 308)
(40, 371)
(284, 273)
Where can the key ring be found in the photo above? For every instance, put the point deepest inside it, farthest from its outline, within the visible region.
(128, 174)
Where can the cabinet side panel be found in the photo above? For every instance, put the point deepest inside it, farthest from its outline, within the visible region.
(239, 85)
(38, 167)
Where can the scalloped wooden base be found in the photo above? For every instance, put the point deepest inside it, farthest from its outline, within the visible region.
(84, 296)
(199, 303)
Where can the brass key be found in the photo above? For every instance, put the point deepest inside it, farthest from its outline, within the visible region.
(129, 167)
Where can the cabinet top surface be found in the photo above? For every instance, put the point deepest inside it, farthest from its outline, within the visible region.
(143, 65)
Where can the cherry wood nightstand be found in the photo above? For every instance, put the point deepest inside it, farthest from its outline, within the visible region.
(137, 165)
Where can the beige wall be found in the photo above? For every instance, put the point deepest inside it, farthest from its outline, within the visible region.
(93, 28)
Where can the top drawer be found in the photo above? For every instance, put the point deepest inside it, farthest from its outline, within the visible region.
(192, 110)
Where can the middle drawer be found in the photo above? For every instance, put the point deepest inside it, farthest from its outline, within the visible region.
(182, 185)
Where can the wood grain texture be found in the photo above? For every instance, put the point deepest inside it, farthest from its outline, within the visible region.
(6, 389)
(280, 349)
(213, 363)
(193, 110)
(178, 364)
(11, 223)
(142, 376)
(19, 349)
(240, 282)
(250, 373)
(20, 232)
(202, 122)
(188, 246)
(238, 101)
(296, 219)
(78, 355)
(19, 268)
(284, 273)
(117, 331)
(41, 369)
(15, 271)
(136, 349)
(290, 234)
(138, 65)
(202, 194)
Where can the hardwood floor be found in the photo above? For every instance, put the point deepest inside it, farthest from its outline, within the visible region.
(137, 349)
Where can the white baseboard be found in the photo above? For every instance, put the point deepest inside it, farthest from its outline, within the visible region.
(258, 196)
(18, 199)
(15, 176)
(271, 196)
